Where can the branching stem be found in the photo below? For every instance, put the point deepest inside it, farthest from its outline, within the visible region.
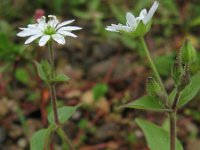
(172, 115)
(153, 67)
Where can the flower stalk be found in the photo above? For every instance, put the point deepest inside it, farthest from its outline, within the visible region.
(153, 67)
(52, 85)
(65, 138)
(172, 116)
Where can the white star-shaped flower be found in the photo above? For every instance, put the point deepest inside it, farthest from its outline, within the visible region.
(133, 22)
(46, 30)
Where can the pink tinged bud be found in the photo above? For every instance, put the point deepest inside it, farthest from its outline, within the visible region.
(38, 14)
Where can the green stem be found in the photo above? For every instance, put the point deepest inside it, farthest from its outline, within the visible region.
(65, 138)
(52, 85)
(172, 116)
(152, 64)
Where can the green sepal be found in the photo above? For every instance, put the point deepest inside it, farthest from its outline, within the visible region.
(147, 103)
(140, 31)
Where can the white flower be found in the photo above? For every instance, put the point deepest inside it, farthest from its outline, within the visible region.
(46, 30)
(133, 22)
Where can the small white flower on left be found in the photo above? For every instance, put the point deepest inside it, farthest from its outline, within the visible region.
(46, 30)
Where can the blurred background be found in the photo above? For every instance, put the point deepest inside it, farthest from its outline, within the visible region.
(106, 71)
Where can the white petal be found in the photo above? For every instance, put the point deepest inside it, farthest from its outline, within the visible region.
(64, 23)
(28, 32)
(42, 26)
(32, 26)
(142, 15)
(118, 28)
(151, 12)
(112, 29)
(121, 27)
(44, 39)
(70, 28)
(59, 38)
(131, 21)
(42, 19)
(66, 33)
(32, 38)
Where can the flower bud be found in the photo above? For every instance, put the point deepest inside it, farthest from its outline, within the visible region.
(188, 53)
(153, 87)
(177, 71)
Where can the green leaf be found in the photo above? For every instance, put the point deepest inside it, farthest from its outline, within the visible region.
(172, 95)
(22, 75)
(99, 90)
(40, 71)
(146, 103)
(190, 91)
(40, 139)
(157, 138)
(164, 63)
(46, 67)
(64, 113)
(60, 78)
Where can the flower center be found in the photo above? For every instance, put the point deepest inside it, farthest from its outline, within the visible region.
(49, 30)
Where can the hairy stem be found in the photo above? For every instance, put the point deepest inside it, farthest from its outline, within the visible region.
(52, 85)
(157, 76)
(65, 138)
(172, 116)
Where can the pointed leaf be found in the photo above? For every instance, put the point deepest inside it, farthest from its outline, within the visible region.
(157, 138)
(64, 113)
(40, 71)
(172, 95)
(146, 103)
(39, 140)
(60, 78)
(46, 67)
(190, 91)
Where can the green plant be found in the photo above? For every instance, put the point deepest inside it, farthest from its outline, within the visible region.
(48, 32)
(99, 90)
(157, 99)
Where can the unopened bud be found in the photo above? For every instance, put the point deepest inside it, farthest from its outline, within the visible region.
(177, 71)
(153, 88)
(188, 53)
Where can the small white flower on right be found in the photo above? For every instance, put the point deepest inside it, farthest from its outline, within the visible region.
(133, 22)
(47, 30)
